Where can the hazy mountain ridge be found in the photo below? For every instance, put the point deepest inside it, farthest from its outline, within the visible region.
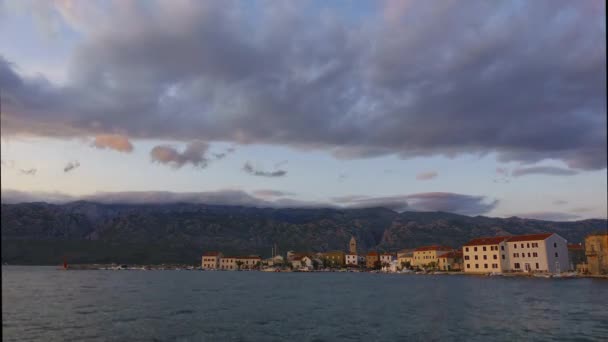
(43, 233)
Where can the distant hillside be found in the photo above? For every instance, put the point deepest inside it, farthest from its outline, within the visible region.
(41, 233)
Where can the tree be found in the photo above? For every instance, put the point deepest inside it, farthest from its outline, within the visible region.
(377, 265)
(239, 263)
(315, 264)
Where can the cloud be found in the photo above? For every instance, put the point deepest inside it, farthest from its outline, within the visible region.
(267, 193)
(502, 171)
(456, 203)
(28, 172)
(71, 166)
(426, 175)
(560, 202)
(477, 84)
(549, 216)
(257, 172)
(115, 142)
(194, 154)
(543, 170)
(429, 201)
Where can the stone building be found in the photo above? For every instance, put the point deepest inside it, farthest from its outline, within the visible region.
(211, 260)
(596, 251)
(372, 260)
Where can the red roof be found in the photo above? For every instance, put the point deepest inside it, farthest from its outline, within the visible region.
(246, 257)
(487, 241)
(372, 254)
(211, 253)
(575, 246)
(433, 248)
(452, 255)
(531, 237)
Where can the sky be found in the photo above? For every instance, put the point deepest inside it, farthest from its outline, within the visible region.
(475, 107)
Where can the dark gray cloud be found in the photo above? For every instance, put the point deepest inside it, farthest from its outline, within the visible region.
(194, 154)
(543, 170)
(429, 201)
(549, 216)
(28, 172)
(426, 175)
(250, 169)
(71, 166)
(524, 80)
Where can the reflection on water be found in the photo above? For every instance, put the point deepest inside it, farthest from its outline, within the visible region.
(44, 304)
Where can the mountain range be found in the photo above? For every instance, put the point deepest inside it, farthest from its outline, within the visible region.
(88, 232)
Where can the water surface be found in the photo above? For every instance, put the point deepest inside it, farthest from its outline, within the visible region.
(45, 304)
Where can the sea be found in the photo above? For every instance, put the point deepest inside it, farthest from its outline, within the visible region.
(48, 304)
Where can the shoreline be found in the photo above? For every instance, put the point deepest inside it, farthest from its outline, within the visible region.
(182, 267)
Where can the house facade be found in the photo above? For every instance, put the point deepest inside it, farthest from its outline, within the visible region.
(372, 260)
(211, 260)
(429, 255)
(451, 261)
(386, 259)
(596, 251)
(546, 252)
(335, 258)
(404, 257)
(351, 259)
(487, 254)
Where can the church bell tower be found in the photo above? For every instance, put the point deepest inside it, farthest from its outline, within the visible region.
(352, 247)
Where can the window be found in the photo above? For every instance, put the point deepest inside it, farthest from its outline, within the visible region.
(555, 245)
(485, 257)
(556, 254)
(514, 246)
(495, 257)
(515, 255)
(485, 265)
(476, 257)
(484, 248)
(502, 248)
(534, 254)
(468, 265)
(494, 265)
(475, 249)
(503, 257)
(522, 245)
(516, 265)
(528, 255)
(476, 265)
(537, 266)
(466, 257)
(466, 249)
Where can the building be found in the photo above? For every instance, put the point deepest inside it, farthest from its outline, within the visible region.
(248, 262)
(228, 263)
(576, 255)
(335, 258)
(386, 259)
(352, 246)
(276, 260)
(239, 263)
(351, 260)
(372, 260)
(596, 251)
(547, 252)
(211, 260)
(429, 255)
(487, 254)
(451, 261)
(405, 258)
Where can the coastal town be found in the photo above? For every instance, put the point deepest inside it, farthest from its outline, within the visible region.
(543, 255)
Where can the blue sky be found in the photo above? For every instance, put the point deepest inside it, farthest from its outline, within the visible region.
(349, 104)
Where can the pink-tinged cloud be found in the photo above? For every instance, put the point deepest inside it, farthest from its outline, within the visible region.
(194, 153)
(115, 142)
(426, 175)
(502, 171)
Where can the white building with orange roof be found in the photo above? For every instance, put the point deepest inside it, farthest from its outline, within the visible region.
(546, 252)
(486, 254)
